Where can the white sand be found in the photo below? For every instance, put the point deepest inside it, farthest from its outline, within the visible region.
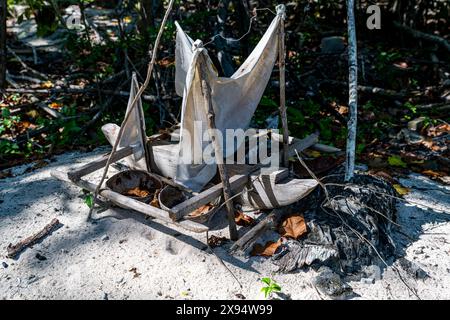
(93, 261)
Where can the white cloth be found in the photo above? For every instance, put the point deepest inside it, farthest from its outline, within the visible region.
(134, 132)
(234, 99)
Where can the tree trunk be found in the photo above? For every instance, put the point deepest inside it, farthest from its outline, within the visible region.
(352, 91)
(3, 43)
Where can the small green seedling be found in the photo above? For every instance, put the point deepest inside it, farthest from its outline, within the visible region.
(271, 287)
(89, 200)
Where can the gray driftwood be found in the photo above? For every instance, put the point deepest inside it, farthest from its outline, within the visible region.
(14, 250)
(270, 222)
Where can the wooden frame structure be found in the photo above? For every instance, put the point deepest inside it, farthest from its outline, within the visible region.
(230, 184)
(175, 216)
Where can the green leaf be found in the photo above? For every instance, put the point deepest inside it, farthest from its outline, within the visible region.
(266, 291)
(396, 161)
(89, 200)
(266, 281)
(276, 287)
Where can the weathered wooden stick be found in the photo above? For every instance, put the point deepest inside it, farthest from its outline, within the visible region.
(253, 234)
(325, 148)
(129, 203)
(219, 157)
(282, 65)
(302, 144)
(271, 222)
(52, 112)
(98, 163)
(14, 250)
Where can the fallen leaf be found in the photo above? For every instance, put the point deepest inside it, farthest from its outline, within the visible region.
(155, 202)
(214, 241)
(166, 62)
(201, 211)
(293, 227)
(55, 105)
(267, 250)
(33, 113)
(433, 174)
(384, 175)
(396, 161)
(127, 19)
(400, 189)
(47, 85)
(242, 219)
(137, 192)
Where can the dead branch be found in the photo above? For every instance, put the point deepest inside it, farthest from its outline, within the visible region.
(424, 36)
(14, 250)
(149, 98)
(27, 67)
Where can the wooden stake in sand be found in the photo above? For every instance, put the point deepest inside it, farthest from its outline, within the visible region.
(206, 90)
(282, 65)
(134, 102)
(14, 250)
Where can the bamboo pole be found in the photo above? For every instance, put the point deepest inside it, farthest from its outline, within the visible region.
(206, 90)
(282, 66)
(352, 91)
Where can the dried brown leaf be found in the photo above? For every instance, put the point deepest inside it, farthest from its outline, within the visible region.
(267, 250)
(201, 211)
(242, 219)
(293, 227)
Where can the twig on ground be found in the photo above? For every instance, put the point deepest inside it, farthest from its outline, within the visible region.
(14, 250)
(27, 67)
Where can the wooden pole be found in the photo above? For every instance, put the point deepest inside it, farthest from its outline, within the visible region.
(282, 66)
(352, 92)
(206, 90)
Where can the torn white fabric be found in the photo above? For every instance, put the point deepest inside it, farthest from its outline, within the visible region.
(134, 131)
(234, 99)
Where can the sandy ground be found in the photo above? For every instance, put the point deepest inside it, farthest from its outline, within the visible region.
(123, 256)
